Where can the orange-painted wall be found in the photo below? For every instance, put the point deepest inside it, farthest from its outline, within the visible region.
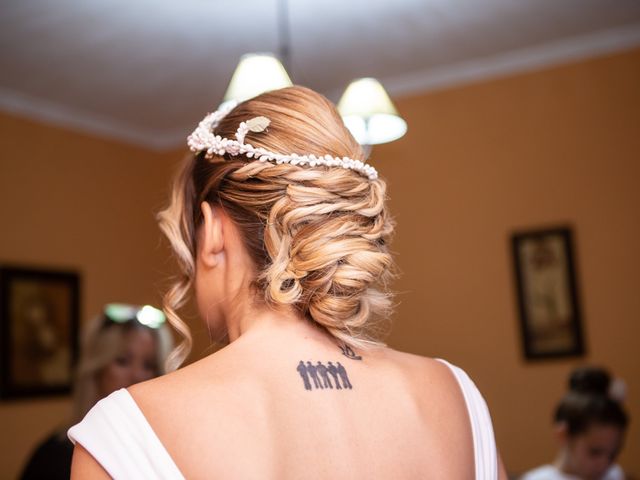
(552, 147)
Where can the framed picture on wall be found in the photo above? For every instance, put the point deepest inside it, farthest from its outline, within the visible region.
(38, 331)
(547, 292)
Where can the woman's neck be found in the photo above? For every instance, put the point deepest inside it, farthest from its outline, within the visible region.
(245, 320)
(562, 463)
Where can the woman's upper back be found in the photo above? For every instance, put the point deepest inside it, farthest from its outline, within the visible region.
(251, 410)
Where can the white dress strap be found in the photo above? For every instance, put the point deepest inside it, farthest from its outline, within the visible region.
(116, 433)
(484, 444)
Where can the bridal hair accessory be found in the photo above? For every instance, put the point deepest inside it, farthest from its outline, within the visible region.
(203, 140)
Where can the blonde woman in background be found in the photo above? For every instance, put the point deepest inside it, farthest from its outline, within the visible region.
(282, 231)
(122, 346)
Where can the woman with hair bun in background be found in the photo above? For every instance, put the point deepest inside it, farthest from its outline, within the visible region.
(590, 424)
(122, 346)
(282, 231)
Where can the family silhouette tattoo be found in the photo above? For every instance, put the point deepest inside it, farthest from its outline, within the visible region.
(320, 376)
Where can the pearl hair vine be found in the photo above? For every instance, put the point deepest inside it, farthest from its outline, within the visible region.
(203, 140)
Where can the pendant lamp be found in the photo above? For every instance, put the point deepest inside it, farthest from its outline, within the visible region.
(255, 74)
(369, 114)
(365, 106)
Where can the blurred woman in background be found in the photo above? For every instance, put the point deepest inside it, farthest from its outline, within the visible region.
(122, 346)
(590, 424)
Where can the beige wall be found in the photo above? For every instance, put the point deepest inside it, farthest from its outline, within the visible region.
(539, 149)
(556, 147)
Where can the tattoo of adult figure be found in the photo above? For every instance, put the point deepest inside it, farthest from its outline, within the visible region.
(348, 352)
(319, 376)
(343, 376)
(322, 370)
(302, 369)
(334, 373)
(314, 375)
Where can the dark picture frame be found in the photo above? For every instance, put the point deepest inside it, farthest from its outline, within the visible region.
(39, 318)
(547, 293)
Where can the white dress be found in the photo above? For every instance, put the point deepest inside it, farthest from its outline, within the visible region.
(116, 433)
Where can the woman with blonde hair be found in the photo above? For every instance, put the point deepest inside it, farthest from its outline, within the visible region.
(282, 230)
(120, 347)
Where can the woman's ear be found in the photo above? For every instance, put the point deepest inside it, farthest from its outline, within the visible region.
(211, 241)
(560, 432)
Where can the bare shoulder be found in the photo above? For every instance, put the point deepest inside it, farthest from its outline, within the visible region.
(442, 407)
(180, 388)
(432, 375)
(437, 388)
(83, 465)
(438, 385)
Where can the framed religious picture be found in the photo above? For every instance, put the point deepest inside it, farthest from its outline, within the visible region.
(38, 331)
(547, 292)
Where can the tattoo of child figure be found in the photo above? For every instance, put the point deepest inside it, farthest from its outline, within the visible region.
(320, 376)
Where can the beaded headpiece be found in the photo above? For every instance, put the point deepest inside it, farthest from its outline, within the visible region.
(203, 140)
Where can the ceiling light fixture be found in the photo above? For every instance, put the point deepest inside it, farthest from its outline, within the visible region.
(365, 106)
(369, 114)
(255, 74)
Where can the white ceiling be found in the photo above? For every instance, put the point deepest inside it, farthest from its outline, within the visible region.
(145, 71)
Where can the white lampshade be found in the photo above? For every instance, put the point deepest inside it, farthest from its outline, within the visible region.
(368, 113)
(255, 74)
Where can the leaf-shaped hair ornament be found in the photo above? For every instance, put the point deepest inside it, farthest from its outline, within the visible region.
(258, 124)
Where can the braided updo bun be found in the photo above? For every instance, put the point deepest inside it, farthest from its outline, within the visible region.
(318, 236)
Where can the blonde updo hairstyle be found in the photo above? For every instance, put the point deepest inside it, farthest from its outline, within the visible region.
(318, 236)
